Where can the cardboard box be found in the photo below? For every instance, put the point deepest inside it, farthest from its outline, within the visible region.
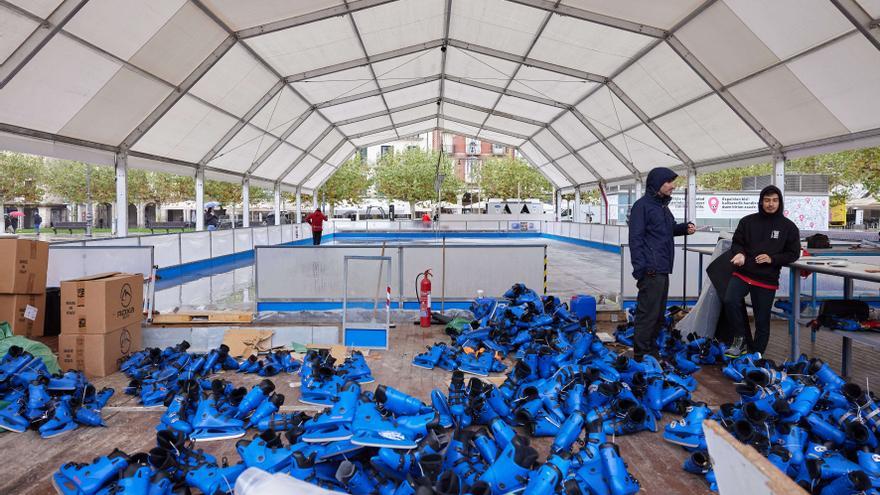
(25, 313)
(98, 355)
(101, 303)
(23, 266)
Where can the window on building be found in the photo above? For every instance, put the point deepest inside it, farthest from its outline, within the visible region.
(412, 147)
(473, 147)
(363, 154)
(499, 149)
(385, 149)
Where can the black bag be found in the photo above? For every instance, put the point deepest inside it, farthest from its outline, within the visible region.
(847, 309)
(818, 241)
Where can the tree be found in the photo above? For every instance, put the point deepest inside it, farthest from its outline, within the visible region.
(67, 180)
(349, 183)
(226, 193)
(21, 177)
(513, 178)
(409, 176)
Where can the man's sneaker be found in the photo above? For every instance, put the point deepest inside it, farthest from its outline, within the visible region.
(736, 349)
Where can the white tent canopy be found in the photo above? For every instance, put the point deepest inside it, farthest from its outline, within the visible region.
(589, 91)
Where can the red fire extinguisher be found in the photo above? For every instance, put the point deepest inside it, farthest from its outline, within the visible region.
(424, 298)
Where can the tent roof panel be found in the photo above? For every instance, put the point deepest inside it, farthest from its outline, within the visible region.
(186, 132)
(400, 23)
(353, 109)
(459, 128)
(308, 47)
(469, 94)
(239, 15)
(240, 152)
(478, 67)
(416, 128)
(572, 130)
(377, 136)
(366, 125)
(534, 153)
(302, 169)
(554, 175)
(526, 108)
(308, 131)
(415, 113)
(180, 45)
(550, 144)
(124, 101)
(725, 44)
(498, 138)
(412, 94)
(872, 7)
(575, 169)
(336, 85)
(607, 113)
(280, 112)
(661, 80)
(550, 85)
(235, 82)
(496, 24)
(845, 77)
(327, 144)
(586, 46)
(658, 14)
(463, 113)
(709, 129)
(15, 28)
(319, 177)
(126, 25)
(41, 8)
(603, 161)
(644, 149)
(414, 66)
(781, 102)
(342, 154)
(55, 85)
(278, 161)
(780, 24)
(512, 125)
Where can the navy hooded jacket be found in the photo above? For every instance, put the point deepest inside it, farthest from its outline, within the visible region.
(652, 227)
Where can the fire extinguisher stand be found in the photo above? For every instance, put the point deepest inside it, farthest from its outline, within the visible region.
(367, 334)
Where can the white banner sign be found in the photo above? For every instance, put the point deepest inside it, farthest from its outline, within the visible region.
(807, 212)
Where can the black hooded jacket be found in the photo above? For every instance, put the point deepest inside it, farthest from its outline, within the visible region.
(770, 234)
(652, 227)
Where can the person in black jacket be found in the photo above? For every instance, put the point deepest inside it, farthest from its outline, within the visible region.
(652, 248)
(762, 244)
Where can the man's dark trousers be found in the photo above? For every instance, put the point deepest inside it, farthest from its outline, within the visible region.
(650, 313)
(316, 237)
(762, 305)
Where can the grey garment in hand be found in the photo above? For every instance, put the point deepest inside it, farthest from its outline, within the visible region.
(703, 317)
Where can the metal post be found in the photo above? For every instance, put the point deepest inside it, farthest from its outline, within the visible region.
(576, 210)
(779, 173)
(638, 193)
(298, 204)
(277, 204)
(314, 200)
(121, 194)
(691, 214)
(846, 345)
(200, 199)
(89, 216)
(794, 328)
(245, 202)
(558, 205)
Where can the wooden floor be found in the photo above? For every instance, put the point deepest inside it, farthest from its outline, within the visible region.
(27, 461)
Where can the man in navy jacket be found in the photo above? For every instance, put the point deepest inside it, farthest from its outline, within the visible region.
(652, 249)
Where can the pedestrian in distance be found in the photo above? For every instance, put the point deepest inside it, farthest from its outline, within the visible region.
(652, 229)
(212, 221)
(316, 220)
(762, 244)
(38, 222)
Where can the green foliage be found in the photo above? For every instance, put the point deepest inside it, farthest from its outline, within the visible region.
(512, 178)
(409, 176)
(349, 183)
(21, 177)
(68, 180)
(226, 193)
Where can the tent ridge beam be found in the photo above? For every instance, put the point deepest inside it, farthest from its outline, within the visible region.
(41, 36)
(318, 15)
(594, 17)
(447, 20)
(583, 161)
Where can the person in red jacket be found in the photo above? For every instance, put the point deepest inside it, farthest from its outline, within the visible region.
(316, 220)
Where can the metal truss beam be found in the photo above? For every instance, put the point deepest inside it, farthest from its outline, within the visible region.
(594, 17)
(869, 27)
(575, 154)
(319, 15)
(366, 60)
(528, 61)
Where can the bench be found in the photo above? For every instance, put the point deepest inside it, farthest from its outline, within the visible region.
(153, 226)
(69, 226)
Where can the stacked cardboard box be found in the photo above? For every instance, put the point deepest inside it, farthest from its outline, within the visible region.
(100, 321)
(23, 267)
